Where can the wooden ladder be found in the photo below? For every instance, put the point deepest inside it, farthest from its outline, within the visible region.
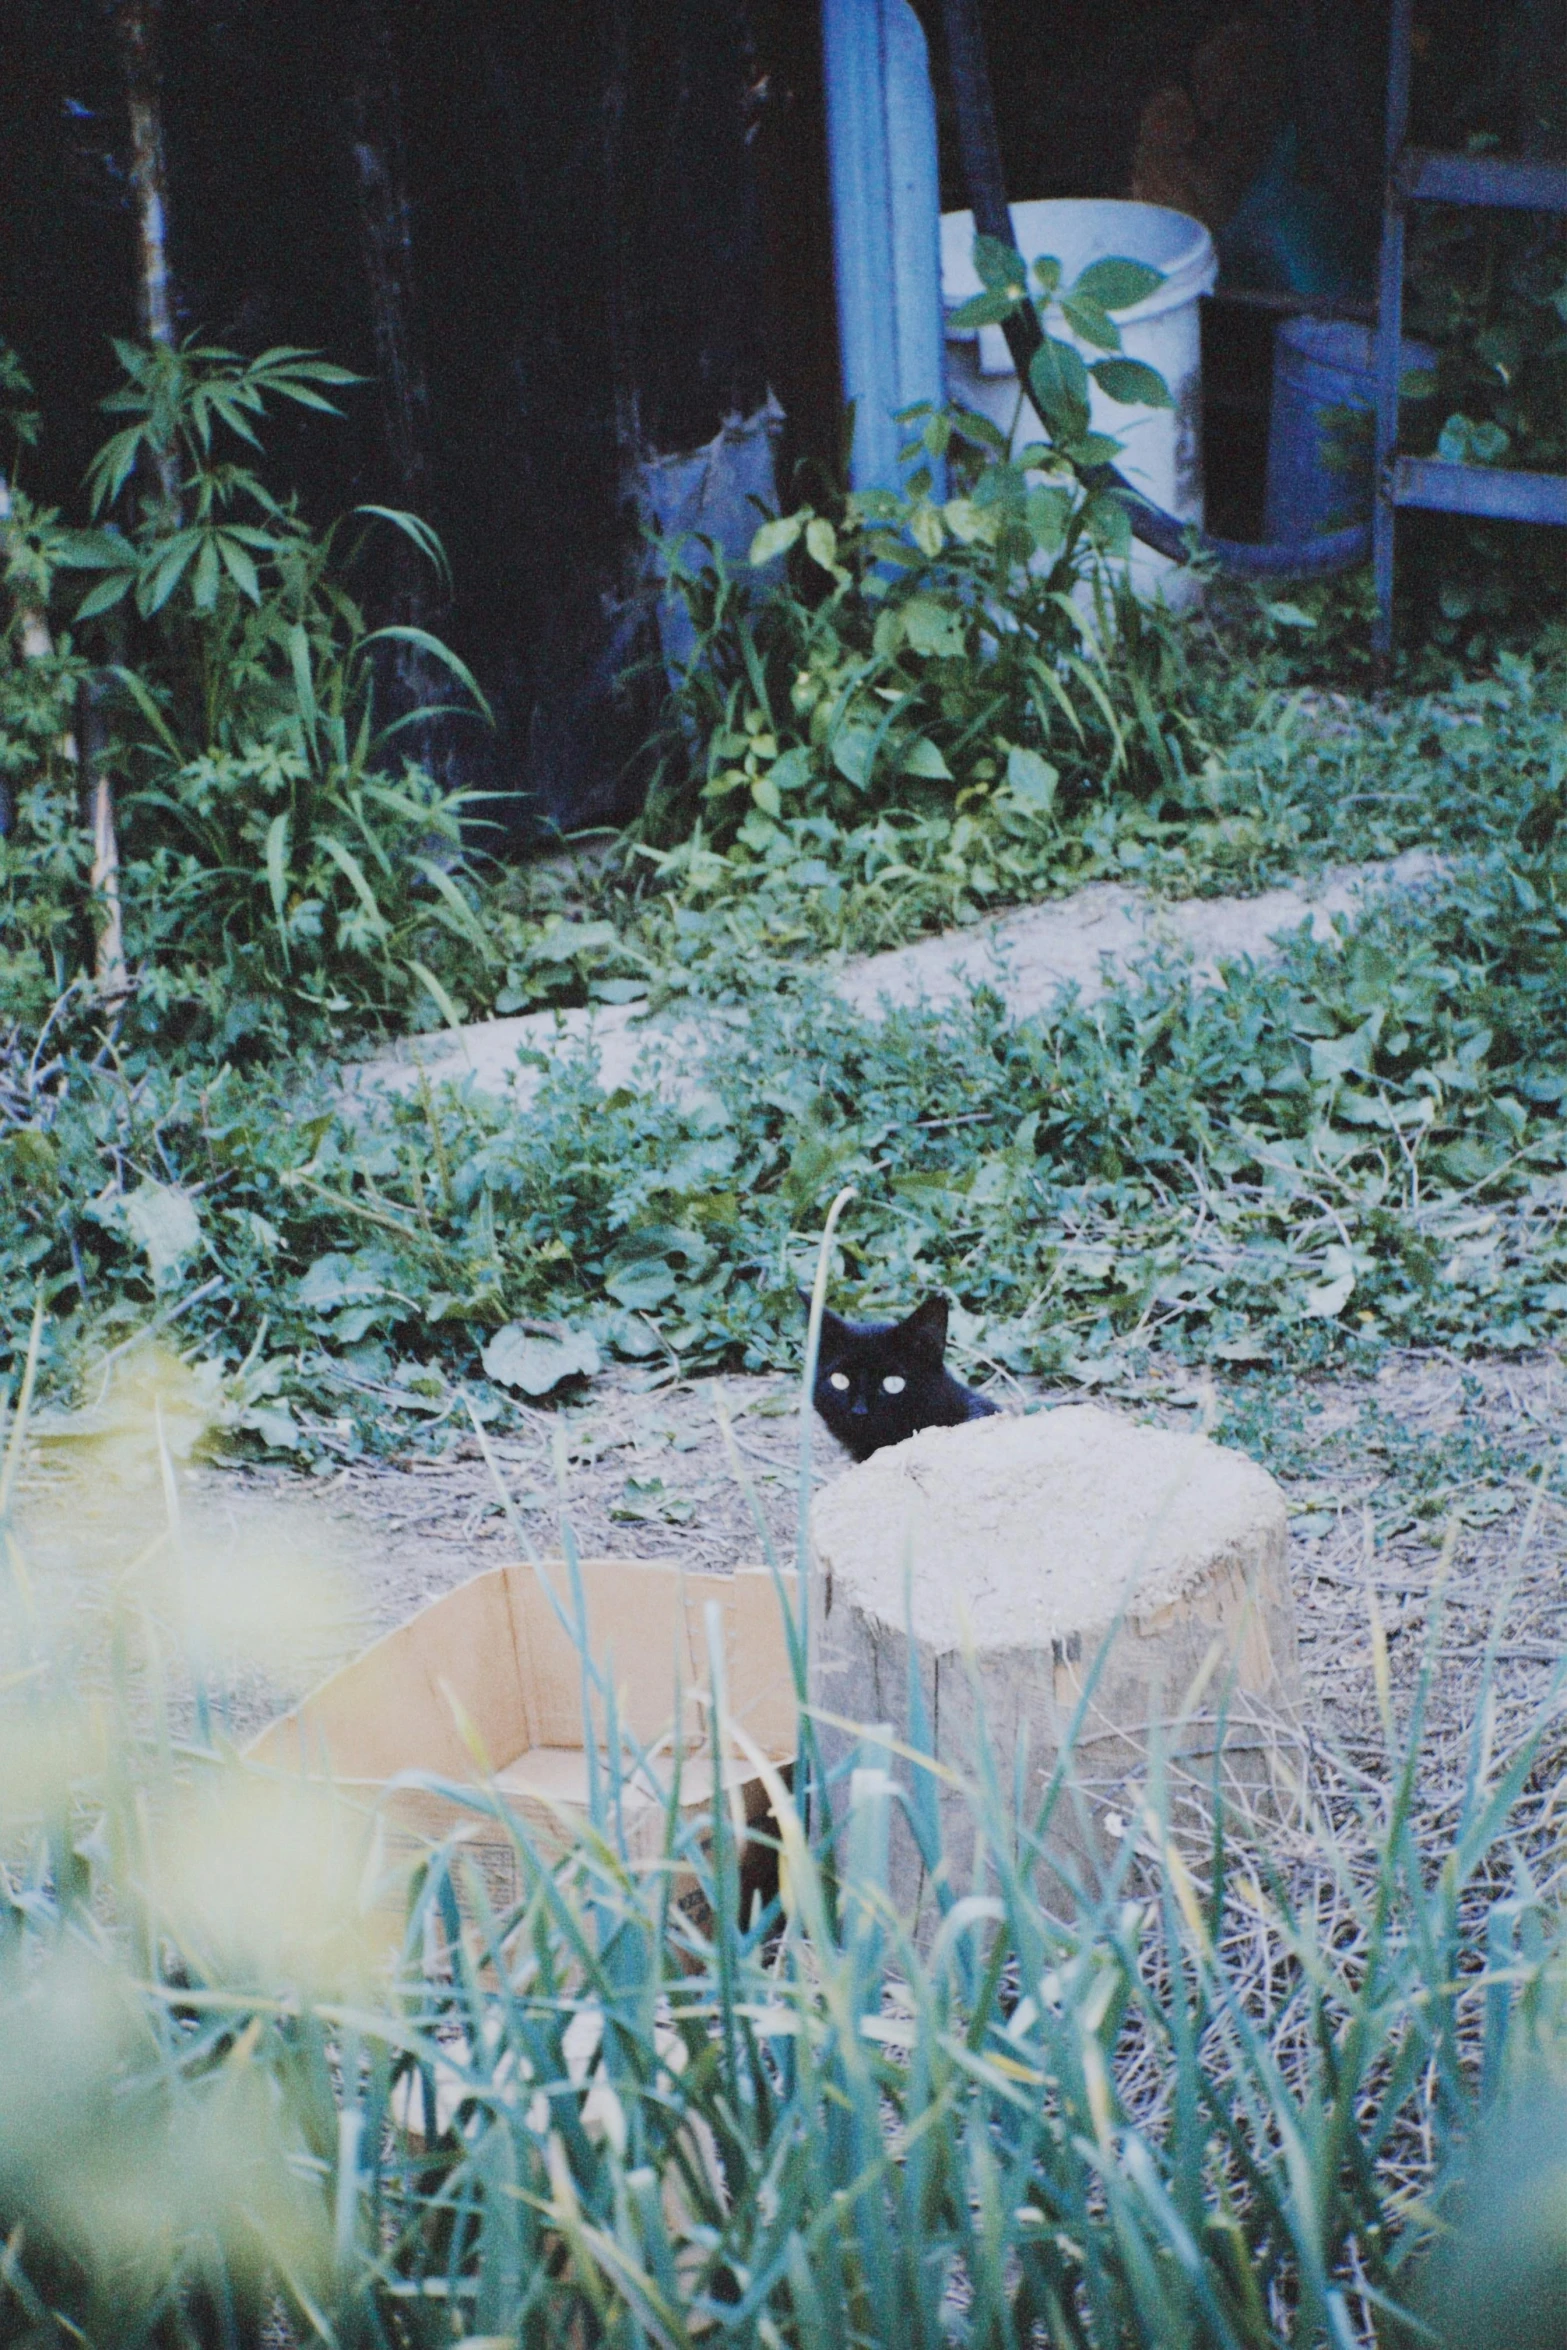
(1416, 175)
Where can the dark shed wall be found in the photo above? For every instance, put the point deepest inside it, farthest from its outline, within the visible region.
(565, 231)
(582, 273)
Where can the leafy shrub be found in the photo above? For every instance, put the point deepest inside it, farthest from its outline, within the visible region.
(917, 655)
(281, 860)
(930, 669)
(1363, 1143)
(935, 709)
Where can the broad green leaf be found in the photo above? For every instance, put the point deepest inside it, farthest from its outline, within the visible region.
(819, 1160)
(1060, 384)
(821, 542)
(1047, 274)
(642, 1283)
(1330, 1296)
(792, 771)
(94, 550)
(1048, 511)
(852, 751)
(775, 538)
(156, 585)
(535, 1361)
(1116, 284)
(887, 635)
(563, 942)
(765, 794)
(274, 1423)
(304, 676)
(1464, 442)
(1335, 1056)
(987, 309)
(926, 528)
(161, 1218)
(981, 431)
(1000, 267)
(932, 629)
(970, 523)
(339, 1279)
(1085, 317)
(923, 758)
(1133, 384)
(1031, 778)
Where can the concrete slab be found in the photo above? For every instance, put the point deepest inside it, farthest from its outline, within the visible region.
(1088, 940)
(1029, 956)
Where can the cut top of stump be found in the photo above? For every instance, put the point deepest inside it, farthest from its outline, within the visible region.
(1016, 1533)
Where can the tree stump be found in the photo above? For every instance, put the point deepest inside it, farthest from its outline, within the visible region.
(1014, 1550)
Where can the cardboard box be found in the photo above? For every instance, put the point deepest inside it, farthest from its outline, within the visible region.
(491, 1671)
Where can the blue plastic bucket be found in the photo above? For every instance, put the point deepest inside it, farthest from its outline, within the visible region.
(1320, 440)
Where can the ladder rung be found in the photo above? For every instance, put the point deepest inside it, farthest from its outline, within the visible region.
(1480, 489)
(1429, 178)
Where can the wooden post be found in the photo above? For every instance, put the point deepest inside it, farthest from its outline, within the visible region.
(97, 804)
(136, 30)
(135, 24)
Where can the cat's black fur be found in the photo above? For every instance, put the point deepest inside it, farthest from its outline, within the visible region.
(859, 1359)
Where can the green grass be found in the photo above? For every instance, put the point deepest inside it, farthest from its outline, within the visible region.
(1269, 2089)
(1362, 1145)
(1267, 774)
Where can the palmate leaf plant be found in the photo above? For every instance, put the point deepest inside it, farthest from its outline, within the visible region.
(283, 856)
(1221, 2092)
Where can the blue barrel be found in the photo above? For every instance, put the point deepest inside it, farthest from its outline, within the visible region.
(1321, 438)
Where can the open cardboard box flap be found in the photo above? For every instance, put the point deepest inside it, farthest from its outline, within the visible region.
(490, 1670)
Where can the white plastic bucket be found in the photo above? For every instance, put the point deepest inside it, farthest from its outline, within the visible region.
(1161, 448)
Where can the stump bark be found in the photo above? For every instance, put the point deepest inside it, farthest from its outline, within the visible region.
(1016, 1555)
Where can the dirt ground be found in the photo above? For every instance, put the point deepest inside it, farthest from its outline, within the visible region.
(1375, 1471)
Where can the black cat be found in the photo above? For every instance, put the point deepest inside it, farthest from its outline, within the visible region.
(878, 1382)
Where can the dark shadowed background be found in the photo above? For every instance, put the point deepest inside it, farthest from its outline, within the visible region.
(563, 235)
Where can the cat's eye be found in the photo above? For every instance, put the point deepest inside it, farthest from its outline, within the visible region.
(893, 1384)
(840, 1380)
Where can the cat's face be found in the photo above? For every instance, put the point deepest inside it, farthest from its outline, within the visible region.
(874, 1380)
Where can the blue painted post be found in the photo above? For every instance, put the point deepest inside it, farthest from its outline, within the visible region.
(881, 145)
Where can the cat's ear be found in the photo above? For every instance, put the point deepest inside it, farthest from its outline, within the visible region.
(926, 1327)
(832, 1326)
